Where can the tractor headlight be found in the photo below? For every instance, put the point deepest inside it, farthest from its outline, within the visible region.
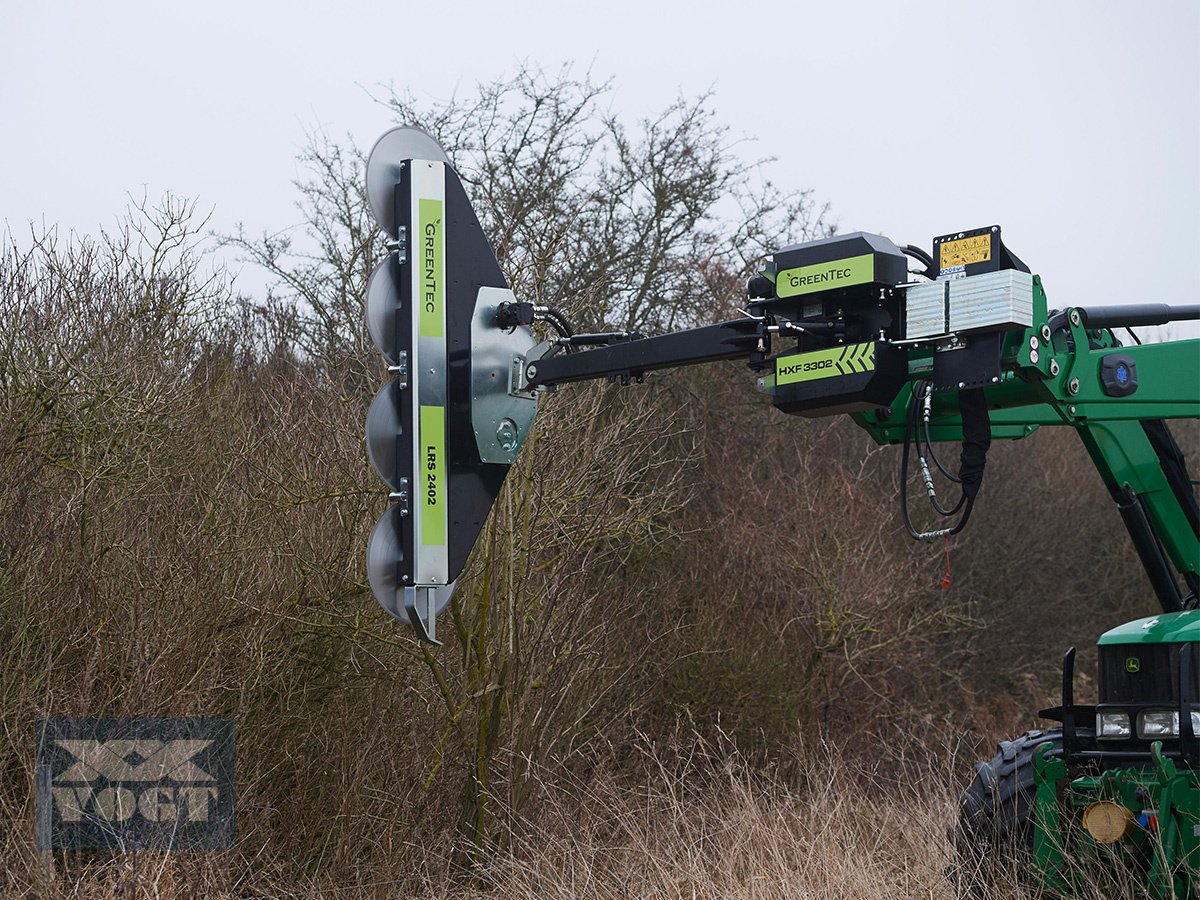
(1113, 725)
(1158, 723)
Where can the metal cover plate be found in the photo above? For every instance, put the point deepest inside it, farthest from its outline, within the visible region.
(500, 415)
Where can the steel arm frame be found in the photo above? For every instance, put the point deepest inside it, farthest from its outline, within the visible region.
(1050, 376)
(1053, 378)
(631, 359)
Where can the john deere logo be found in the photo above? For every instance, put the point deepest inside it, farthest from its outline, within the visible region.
(1133, 664)
(127, 784)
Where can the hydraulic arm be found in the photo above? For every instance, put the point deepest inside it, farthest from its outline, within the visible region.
(1063, 368)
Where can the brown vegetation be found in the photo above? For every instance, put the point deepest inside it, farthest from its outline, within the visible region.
(693, 654)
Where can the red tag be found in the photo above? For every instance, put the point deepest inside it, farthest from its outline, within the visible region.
(946, 578)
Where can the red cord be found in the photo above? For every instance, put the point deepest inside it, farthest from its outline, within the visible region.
(946, 579)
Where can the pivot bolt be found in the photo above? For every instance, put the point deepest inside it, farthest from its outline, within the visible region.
(531, 371)
(506, 435)
(1073, 386)
(1045, 332)
(1054, 367)
(1075, 317)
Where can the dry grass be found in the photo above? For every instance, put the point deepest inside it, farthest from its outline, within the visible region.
(701, 825)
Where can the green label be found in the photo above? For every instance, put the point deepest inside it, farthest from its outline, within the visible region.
(431, 266)
(432, 467)
(825, 276)
(825, 363)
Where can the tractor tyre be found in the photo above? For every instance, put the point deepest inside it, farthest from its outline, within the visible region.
(994, 834)
(995, 812)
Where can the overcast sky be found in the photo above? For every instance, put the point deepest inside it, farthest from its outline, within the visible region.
(1076, 126)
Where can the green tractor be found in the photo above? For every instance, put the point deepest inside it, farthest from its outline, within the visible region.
(1116, 783)
(963, 349)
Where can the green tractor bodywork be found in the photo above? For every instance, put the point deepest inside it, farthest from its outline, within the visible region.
(1160, 832)
(1163, 837)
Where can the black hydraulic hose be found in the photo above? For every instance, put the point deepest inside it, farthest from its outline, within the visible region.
(558, 319)
(921, 256)
(904, 456)
(926, 449)
(1149, 550)
(977, 439)
(933, 453)
(557, 315)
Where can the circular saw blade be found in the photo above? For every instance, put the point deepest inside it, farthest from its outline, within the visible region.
(383, 169)
(383, 430)
(382, 305)
(383, 555)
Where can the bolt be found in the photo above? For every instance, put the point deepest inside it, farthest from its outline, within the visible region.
(506, 435)
(1073, 386)
(404, 578)
(1045, 332)
(1072, 410)
(1033, 342)
(961, 385)
(531, 372)
(1075, 317)
(1054, 367)
(1033, 357)
(995, 378)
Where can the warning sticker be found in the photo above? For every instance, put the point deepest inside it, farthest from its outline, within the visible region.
(964, 252)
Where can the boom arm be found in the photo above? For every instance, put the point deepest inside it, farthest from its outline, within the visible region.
(1051, 373)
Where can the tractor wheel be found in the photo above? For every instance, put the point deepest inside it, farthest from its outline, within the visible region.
(996, 810)
(995, 823)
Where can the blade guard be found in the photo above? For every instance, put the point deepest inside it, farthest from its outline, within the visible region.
(445, 430)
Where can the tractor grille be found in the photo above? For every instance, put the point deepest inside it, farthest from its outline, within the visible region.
(1143, 673)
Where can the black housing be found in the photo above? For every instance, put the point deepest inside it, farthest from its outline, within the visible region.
(863, 309)
(846, 393)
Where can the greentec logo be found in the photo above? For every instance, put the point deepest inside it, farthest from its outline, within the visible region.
(432, 292)
(825, 276)
(1133, 664)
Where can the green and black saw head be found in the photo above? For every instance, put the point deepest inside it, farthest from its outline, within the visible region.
(444, 431)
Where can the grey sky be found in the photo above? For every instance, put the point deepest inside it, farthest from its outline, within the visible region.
(1076, 126)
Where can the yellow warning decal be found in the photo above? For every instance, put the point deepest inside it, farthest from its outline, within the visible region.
(965, 251)
(847, 360)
